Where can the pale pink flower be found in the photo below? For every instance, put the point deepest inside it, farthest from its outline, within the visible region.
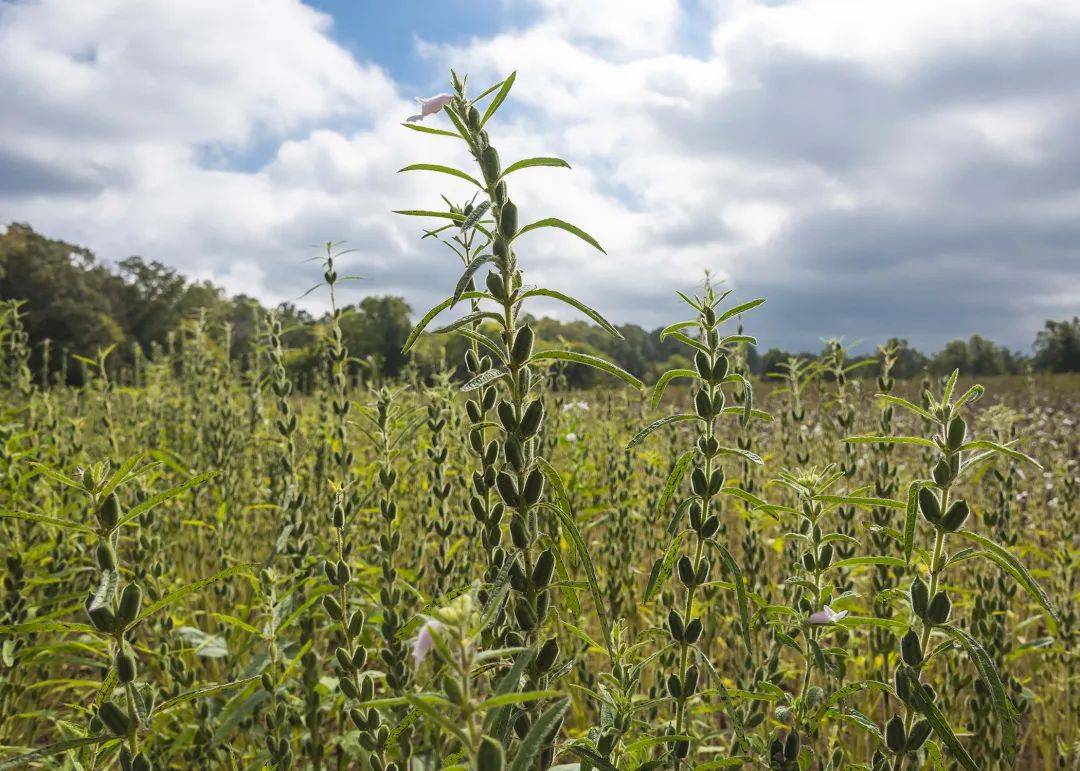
(425, 641)
(429, 107)
(826, 616)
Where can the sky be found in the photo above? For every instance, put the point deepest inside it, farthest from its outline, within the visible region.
(872, 168)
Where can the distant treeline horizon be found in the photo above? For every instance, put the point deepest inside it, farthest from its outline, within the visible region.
(69, 304)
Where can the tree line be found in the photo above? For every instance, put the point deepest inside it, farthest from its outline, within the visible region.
(71, 304)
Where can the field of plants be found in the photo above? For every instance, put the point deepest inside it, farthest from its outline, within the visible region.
(208, 567)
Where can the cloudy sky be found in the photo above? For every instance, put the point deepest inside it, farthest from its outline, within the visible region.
(873, 168)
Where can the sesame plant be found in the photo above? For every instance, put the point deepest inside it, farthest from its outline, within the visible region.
(685, 624)
(932, 631)
(507, 381)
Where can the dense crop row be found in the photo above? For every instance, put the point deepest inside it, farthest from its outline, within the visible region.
(205, 569)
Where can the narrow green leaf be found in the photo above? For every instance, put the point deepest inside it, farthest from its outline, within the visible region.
(641, 435)
(662, 384)
(178, 594)
(52, 749)
(985, 444)
(743, 308)
(925, 705)
(540, 733)
(552, 222)
(590, 361)
(504, 89)
(740, 592)
(430, 130)
(442, 170)
(530, 162)
(1005, 560)
(1000, 700)
(161, 497)
(662, 568)
(44, 519)
(431, 314)
(574, 303)
(673, 480)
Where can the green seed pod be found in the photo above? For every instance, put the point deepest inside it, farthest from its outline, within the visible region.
(716, 481)
(109, 511)
(130, 602)
(943, 473)
(549, 652)
(523, 345)
(518, 534)
(125, 665)
(702, 365)
(106, 556)
(956, 433)
(531, 419)
(689, 683)
(141, 763)
(507, 488)
(514, 453)
(911, 649)
(895, 735)
(496, 287)
(502, 252)
(710, 527)
(902, 681)
(114, 719)
(955, 516)
(505, 411)
(103, 618)
(686, 571)
(698, 483)
(674, 687)
(344, 659)
(693, 631)
(543, 570)
(920, 732)
(523, 613)
(719, 368)
(929, 505)
(452, 689)
(359, 657)
(508, 220)
(344, 574)
(940, 608)
(333, 608)
(825, 558)
(348, 687)
(500, 193)
(791, 746)
(266, 682)
(543, 601)
(356, 623)
(474, 119)
(490, 756)
(808, 560)
(489, 164)
(517, 577)
(920, 597)
(703, 405)
(675, 625)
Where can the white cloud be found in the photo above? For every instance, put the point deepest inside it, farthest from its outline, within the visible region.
(823, 151)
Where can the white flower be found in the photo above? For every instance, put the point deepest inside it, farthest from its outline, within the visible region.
(429, 106)
(826, 616)
(425, 641)
(571, 437)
